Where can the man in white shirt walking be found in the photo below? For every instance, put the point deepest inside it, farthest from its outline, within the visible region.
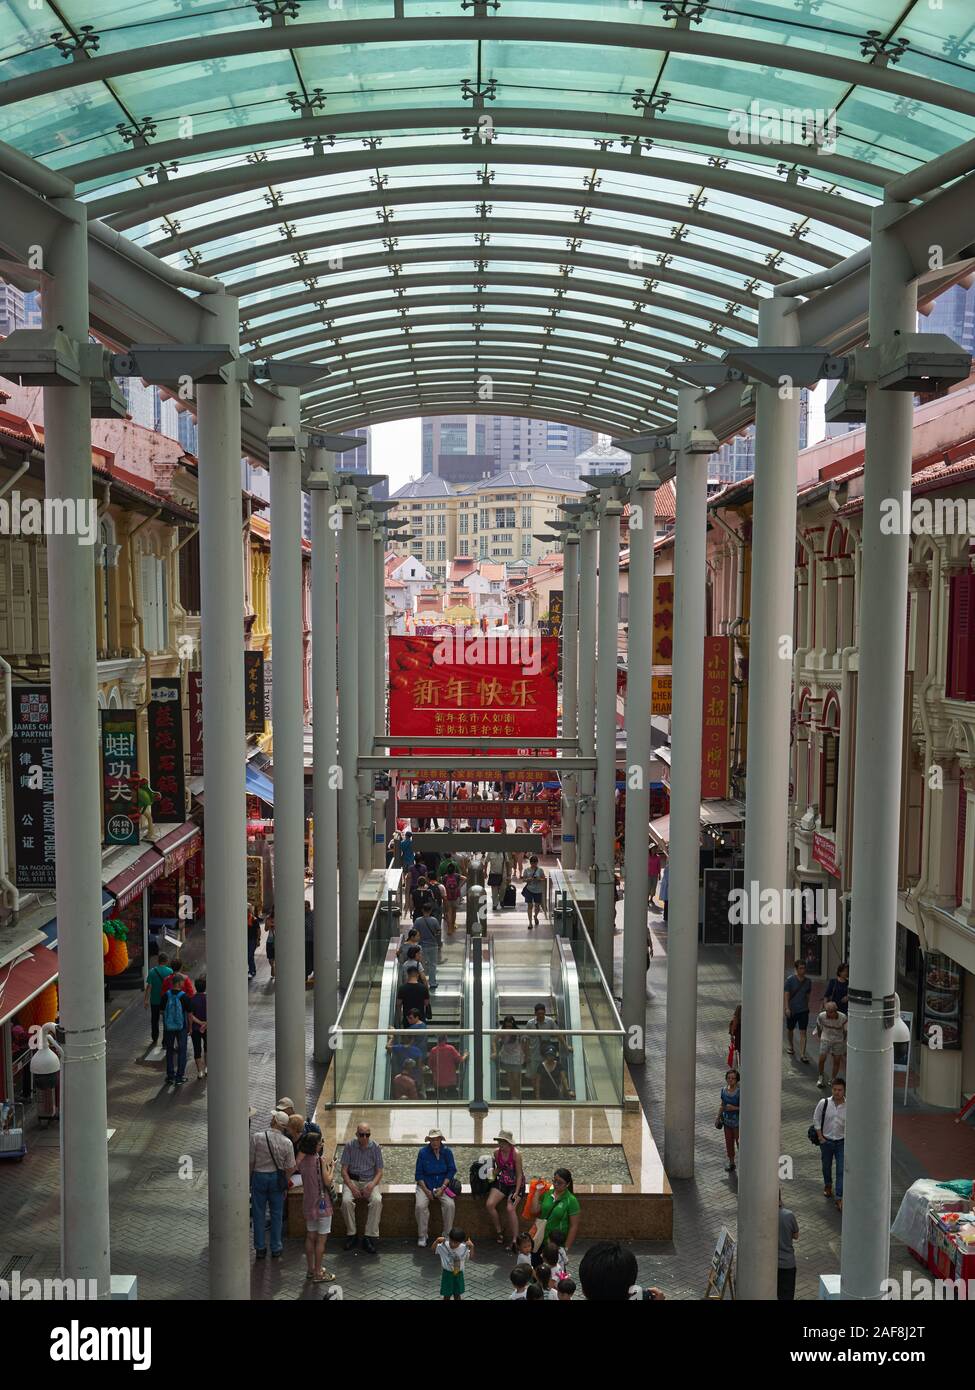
(829, 1119)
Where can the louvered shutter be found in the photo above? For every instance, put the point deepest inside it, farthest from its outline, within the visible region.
(20, 603)
(960, 683)
(42, 638)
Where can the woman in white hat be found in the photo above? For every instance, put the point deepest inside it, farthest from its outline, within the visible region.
(507, 1188)
(436, 1181)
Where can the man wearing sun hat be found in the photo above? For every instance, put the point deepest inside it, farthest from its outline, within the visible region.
(436, 1181)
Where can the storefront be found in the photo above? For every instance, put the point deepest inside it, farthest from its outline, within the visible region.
(147, 883)
(23, 981)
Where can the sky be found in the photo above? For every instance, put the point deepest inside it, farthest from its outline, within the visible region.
(396, 451)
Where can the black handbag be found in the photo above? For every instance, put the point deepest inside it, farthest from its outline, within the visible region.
(812, 1134)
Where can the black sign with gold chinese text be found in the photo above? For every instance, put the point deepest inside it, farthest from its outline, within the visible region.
(120, 774)
(32, 770)
(254, 692)
(166, 775)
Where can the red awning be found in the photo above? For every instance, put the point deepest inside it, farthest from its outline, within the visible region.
(179, 844)
(24, 978)
(131, 881)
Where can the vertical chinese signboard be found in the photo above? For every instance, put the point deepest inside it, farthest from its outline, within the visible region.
(120, 773)
(196, 723)
(166, 750)
(555, 611)
(32, 762)
(716, 720)
(663, 619)
(254, 692)
(485, 688)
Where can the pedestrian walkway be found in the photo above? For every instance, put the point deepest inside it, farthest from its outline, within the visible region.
(158, 1172)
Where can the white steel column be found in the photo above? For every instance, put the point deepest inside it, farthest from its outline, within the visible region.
(77, 780)
(287, 714)
(608, 644)
(587, 684)
(877, 789)
(325, 758)
(367, 657)
(639, 657)
(684, 849)
(767, 806)
(224, 752)
(348, 675)
(570, 694)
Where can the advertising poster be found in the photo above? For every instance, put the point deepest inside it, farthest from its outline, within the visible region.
(120, 773)
(32, 770)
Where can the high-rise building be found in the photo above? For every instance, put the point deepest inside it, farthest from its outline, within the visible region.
(952, 313)
(511, 441)
(735, 459)
(18, 308)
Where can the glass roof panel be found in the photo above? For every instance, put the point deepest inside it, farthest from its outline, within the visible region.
(583, 215)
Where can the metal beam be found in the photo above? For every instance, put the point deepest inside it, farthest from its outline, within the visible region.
(488, 318)
(449, 741)
(126, 303)
(503, 375)
(498, 762)
(459, 841)
(597, 199)
(630, 318)
(394, 283)
(470, 227)
(440, 402)
(369, 120)
(139, 205)
(367, 368)
(359, 417)
(435, 31)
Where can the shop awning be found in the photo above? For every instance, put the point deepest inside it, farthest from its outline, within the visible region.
(712, 813)
(146, 865)
(257, 784)
(25, 977)
(179, 844)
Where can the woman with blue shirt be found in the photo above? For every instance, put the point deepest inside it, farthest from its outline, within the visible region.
(728, 1115)
(436, 1180)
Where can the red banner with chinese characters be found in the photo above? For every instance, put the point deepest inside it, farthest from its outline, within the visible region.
(663, 619)
(716, 718)
(165, 720)
(484, 687)
(196, 723)
(481, 810)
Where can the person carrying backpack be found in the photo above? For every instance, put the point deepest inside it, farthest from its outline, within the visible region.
(175, 1021)
(452, 879)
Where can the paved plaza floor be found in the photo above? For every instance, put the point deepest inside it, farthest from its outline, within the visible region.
(159, 1218)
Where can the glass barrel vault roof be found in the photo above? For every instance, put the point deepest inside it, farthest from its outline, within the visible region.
(566, 198)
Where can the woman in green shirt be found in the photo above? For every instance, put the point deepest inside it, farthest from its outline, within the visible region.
(559, 1208)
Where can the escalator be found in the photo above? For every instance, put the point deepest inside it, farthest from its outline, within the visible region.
(522, 974)
(451, 1012)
